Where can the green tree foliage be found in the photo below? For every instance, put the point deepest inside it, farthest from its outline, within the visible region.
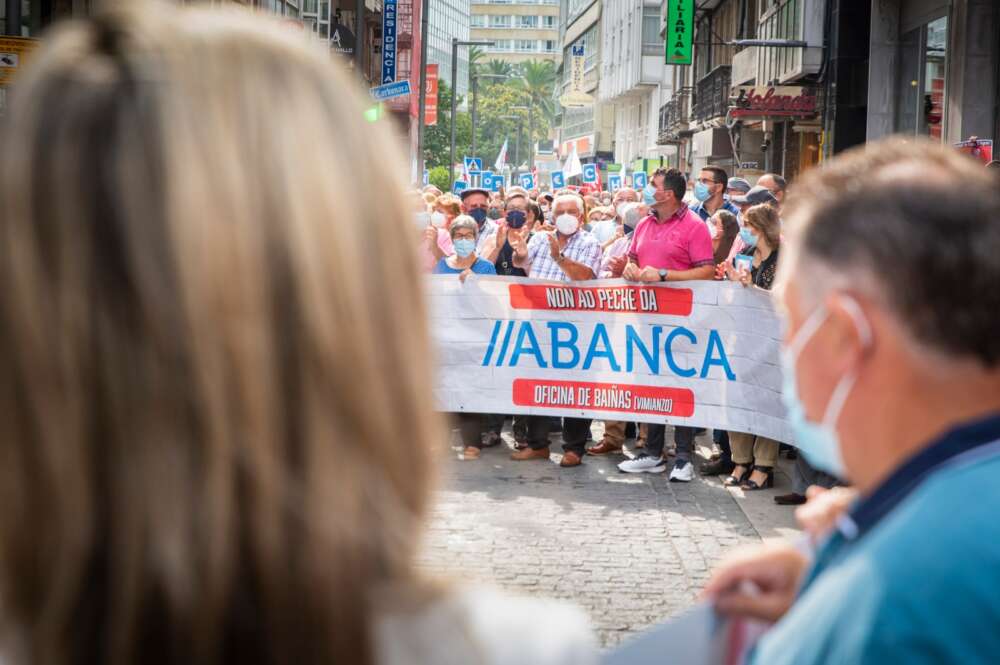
(498, 68)
(537, 80)
(438, 177)
(437, 139)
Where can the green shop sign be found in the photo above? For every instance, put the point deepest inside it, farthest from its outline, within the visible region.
(680, 31)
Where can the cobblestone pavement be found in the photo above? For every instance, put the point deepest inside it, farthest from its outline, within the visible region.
(630, 549)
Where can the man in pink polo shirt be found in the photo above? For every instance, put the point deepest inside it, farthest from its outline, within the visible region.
(671, 245)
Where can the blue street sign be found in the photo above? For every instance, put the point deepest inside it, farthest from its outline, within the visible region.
(390, 90)
(528, 181)
(388, 41)
(459, 186)
(487, 180)
(639, 179)
(558, 180)
(578, 50)
(614, 182)
(589, 173)
(473, 164)
(475, 178)
(498, 183)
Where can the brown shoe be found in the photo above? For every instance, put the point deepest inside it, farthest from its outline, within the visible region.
(605, 447)
(530, 454)
(792, 499)
(470, 453)
(570, 459)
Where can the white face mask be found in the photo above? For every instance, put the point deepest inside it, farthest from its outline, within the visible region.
(713, 230)
(567, 224)
(439, 219)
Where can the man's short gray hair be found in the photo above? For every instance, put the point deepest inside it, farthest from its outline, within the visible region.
(913, 224)
(570, 196)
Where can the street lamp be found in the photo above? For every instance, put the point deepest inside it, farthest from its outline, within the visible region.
(517, 142)
(455, 43)
(475, 96)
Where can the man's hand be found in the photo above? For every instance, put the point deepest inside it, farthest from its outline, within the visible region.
(502, 235)
(631, 272)
(758, 582)
(649, 274)
(825, 506)
(617, 265)
(462, 276)
(554, 248)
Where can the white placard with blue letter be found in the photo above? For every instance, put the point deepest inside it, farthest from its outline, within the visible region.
(388, 41)
(528, 181)
(589, 173)
(459, 186)
(486, 180)
(639, 180)
(558, 180)
(614, 182)
(705, 354)
(498, 182)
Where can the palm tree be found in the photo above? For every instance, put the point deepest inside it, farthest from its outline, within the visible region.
(537, 81)
(499, 68)
(475, 55)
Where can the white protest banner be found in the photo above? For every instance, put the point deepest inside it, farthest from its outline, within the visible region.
(692, 353)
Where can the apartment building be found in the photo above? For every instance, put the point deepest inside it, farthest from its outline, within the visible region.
(635, 81)
(520, 29)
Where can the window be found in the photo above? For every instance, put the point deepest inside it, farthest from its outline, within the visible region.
(499, 45)
(652, 44)
(550, 45)
(527, 45)
(527, 21)
(499, 21)
(549, 22)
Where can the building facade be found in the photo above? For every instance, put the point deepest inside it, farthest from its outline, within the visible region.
(526, 30)
(635, 82)
(589, 127)
(447, 19)
(853, 72)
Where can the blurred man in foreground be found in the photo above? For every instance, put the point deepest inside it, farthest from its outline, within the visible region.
(892, 369)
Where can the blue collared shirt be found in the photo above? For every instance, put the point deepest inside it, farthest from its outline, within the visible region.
(912, 574)
(702, 212)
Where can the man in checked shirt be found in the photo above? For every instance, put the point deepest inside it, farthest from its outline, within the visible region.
(569, 254)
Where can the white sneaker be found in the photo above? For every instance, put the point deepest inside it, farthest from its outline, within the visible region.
(643, 464)
(683, 472)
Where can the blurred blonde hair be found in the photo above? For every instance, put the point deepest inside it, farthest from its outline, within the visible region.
(451, 203)
(217, 422)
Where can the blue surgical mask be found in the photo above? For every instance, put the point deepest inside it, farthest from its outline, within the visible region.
(478, 214)
(649, 194)
(464, 247)
(747, 237)
(819, 442)
(701, 191)
(516, 218)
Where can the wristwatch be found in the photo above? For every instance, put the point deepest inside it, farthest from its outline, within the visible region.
(663, 274)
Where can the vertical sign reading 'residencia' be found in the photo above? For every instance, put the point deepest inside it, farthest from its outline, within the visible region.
(388, 41)
(679, 32)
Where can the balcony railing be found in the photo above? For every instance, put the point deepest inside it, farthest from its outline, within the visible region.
(675, 116)
(711, 94)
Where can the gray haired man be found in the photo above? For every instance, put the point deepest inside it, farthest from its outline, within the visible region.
(890, 284)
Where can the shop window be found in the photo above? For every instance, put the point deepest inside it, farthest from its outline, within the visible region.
(922, 81)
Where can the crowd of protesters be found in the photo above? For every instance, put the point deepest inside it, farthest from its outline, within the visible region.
(716, 227)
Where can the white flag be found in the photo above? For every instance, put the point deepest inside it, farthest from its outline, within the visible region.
(502, 157)
(572, 166)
